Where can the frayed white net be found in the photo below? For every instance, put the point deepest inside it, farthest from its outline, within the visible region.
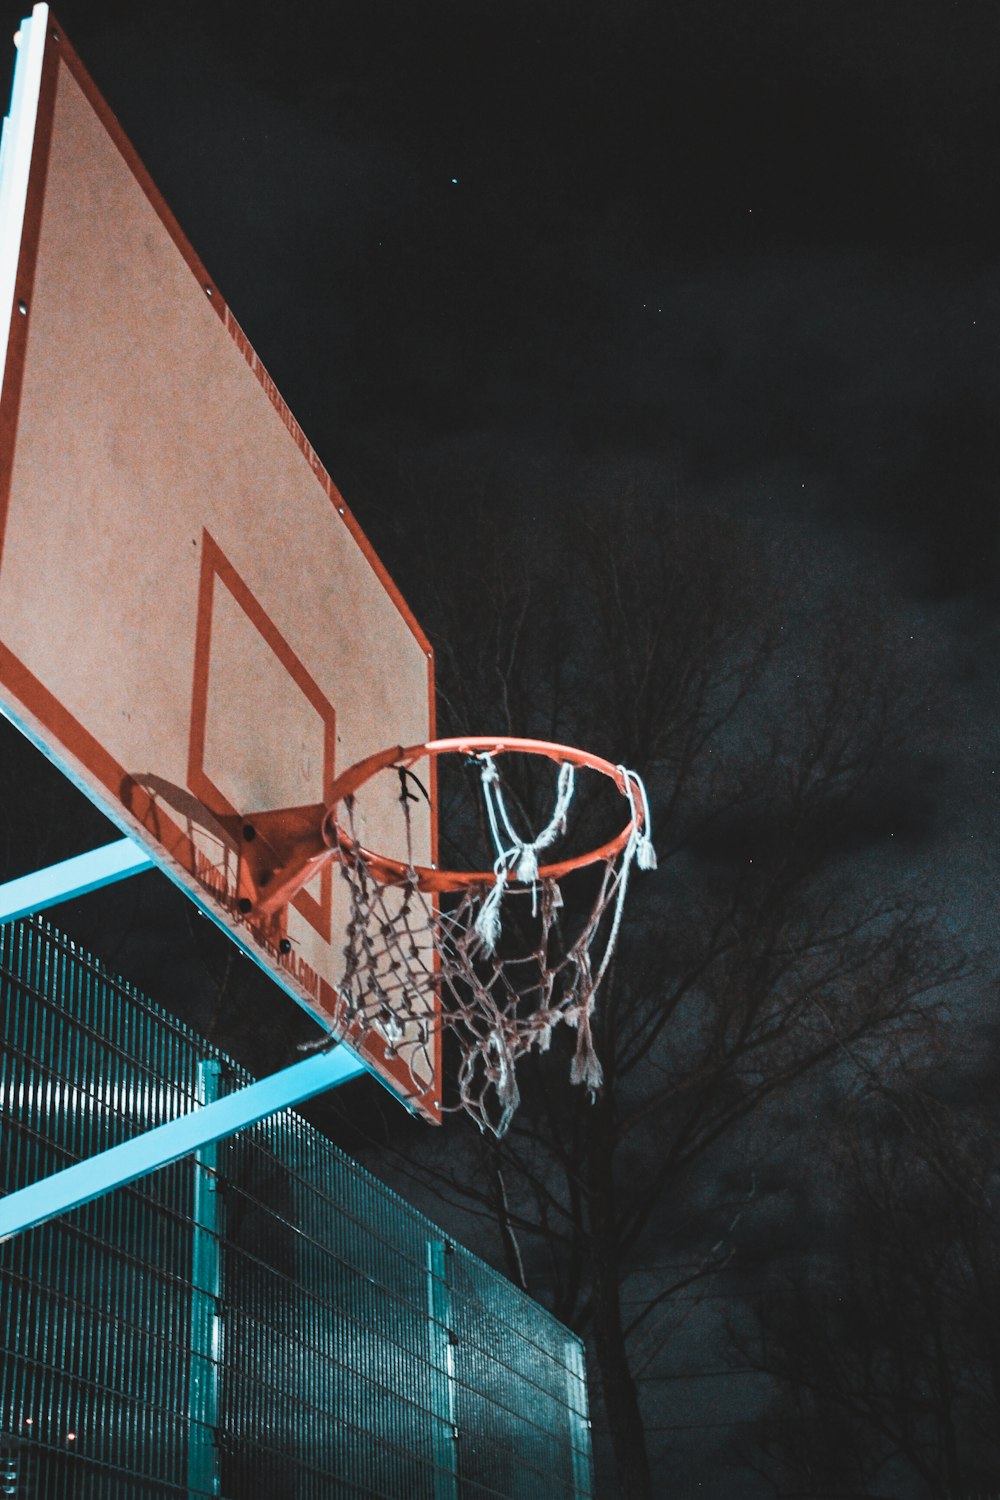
(496, 953)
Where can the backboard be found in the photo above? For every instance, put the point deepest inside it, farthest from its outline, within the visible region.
(192, 624)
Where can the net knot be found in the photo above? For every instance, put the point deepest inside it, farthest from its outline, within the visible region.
(487, 923)
(487, 768)
(586, 1068)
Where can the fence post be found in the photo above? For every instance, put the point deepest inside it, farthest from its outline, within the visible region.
(12, 1471)
(439, 1262)
(579, 1422)
(206, 1294)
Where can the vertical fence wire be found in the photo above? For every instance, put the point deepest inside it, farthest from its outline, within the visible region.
(263, 1318)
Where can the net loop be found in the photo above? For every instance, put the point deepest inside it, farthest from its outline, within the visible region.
(519, 854)
(645, 853)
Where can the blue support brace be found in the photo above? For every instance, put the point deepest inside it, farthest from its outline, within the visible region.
(145, 1153)
(72, 877)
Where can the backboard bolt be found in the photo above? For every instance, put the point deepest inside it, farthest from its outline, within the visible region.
(245, 905)
(208, 291)
(285, 946)
(22, 307)
(249, 832)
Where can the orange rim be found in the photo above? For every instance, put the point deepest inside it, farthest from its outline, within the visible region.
(394, 871)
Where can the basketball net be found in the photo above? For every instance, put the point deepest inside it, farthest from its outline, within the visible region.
(507, 973)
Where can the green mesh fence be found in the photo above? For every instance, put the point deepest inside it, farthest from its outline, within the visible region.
(263, 1319)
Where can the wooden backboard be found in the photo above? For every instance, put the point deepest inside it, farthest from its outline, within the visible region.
(192, 624)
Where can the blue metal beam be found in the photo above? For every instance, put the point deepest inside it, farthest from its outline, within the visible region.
(72, 877)
(85, 1180)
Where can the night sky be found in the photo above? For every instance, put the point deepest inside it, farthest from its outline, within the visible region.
(742, 256)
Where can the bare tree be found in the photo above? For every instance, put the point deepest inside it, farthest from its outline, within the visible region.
(752, 960)
(892, 1336)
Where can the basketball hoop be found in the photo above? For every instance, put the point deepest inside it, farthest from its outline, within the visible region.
(505, 983)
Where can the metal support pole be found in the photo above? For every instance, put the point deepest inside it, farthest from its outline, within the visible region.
(72, 877)
(85, 1180)
(440, 1257)
(15, 158)
(206, 1303)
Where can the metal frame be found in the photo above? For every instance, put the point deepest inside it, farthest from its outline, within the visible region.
(194, 1132)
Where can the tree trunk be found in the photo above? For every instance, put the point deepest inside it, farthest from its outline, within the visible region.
(621, 1399)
